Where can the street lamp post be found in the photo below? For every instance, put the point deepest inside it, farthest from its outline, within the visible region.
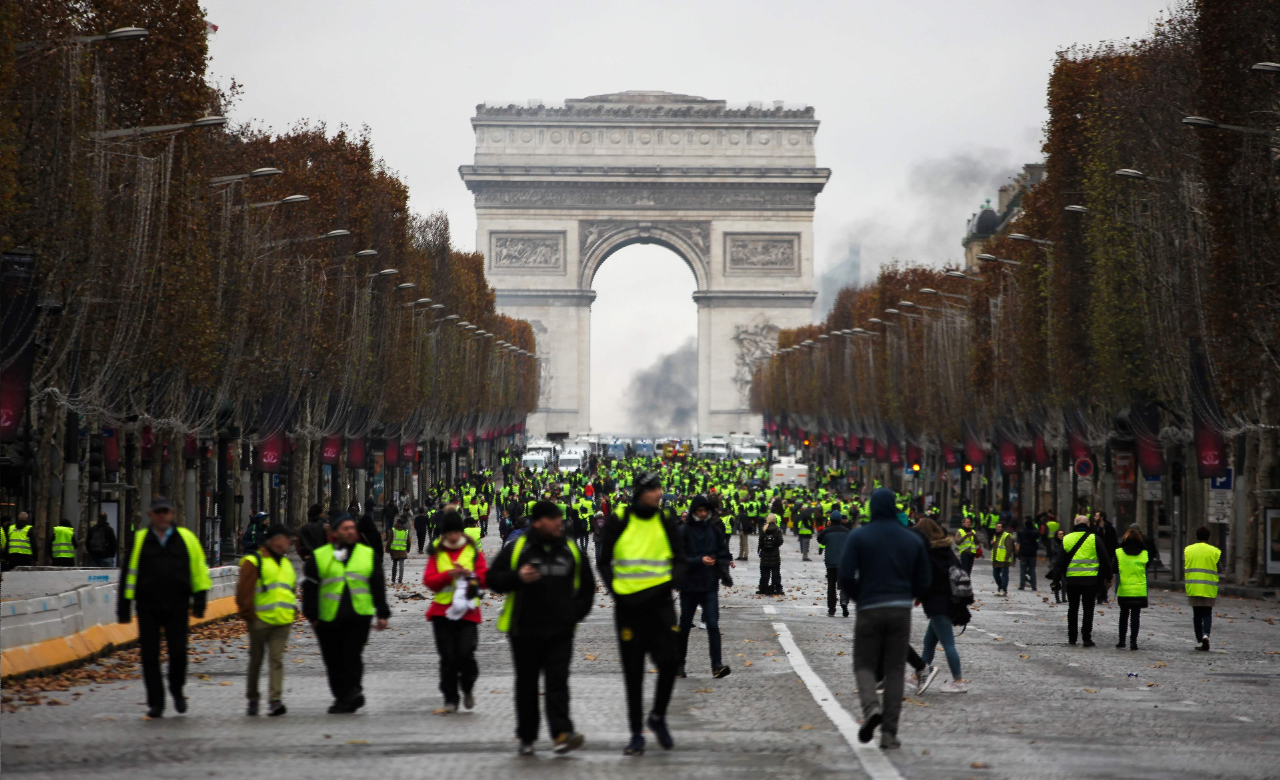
(135, 132)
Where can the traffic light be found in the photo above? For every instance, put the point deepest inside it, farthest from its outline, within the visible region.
(915, 467)
(806, 442)
(95, 457)
(968, 468)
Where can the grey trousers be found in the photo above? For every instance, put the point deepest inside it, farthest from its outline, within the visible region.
(880, 640)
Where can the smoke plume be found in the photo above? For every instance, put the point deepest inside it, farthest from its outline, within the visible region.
(663, 398)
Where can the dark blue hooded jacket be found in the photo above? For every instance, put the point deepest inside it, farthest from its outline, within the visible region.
(884, 564)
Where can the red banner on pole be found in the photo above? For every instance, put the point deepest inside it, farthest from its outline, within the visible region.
(270, 453)
(110, 450)
(330, 449)
(392, 455)
(355, 453)
(408, 451)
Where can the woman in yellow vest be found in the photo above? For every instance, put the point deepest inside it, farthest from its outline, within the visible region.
(1200, 577)
(455, 569)
(342, 590)
(1131, 584)
(267, 601)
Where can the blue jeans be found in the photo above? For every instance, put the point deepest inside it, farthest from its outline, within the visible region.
(1001, 575)
(941, 630)
(1026, 570)
(710, 602)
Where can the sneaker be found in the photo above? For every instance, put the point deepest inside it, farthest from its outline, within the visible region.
(180, 701)
(358, 701)
(469, 700)
(658, 725)
(720, 672)
(635, 747)
(869, 725)
(954, 686)
(702, 626)
(526, 748)
(880, 688)
(680, 673)
(338, 708)
(1204, 646)
(275, 709)
(831, 613)
(252, 709)
(1133, 645)
(1088, 643)
(845, 610)
(926, 679)
(567, 742)
(889, 741)
(1120, 644)
(155, 712)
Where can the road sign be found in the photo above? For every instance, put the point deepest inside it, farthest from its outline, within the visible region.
(1084, 467)
(1151, 489)
(1222, 498)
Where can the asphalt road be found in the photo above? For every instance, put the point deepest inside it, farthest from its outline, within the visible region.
(1037, 708)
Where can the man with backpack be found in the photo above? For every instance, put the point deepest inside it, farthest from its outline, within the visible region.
(102, 543)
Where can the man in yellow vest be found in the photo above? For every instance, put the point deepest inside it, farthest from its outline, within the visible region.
(165, 575)
(455, 571)
(1200, 578)
(1084, 573)
(62, 545)
(397, 541)
(342, 590)
(18, 549)
(1002, 553)
(267, 600)
(641, 560)
(966, 544)
(550, 589)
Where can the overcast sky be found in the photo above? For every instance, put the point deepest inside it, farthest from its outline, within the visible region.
(926, 107)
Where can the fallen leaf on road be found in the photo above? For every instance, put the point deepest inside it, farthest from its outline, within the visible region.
(805, 728)
(840, 653)
(746, 663)
(1090, 690)
(1023, 655)
(433, 712)
(357, 742)
(979, 765)
(1152, 685)
(226, 683)
(297, 660)
(589, 657)
(703, 690)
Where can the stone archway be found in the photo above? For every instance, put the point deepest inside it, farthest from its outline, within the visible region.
(731, 191)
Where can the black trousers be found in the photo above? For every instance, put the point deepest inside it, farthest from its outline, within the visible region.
(771, 578)
(422, 539)
(397, 569)
(833, 591)
(548, 657)
(173, 623)
(456, 642)
(966, 562)
(651, 629)
(1077, 595)
(342, 647)
(1132, 616)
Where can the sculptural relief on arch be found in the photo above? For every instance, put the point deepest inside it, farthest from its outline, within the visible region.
(731, 191)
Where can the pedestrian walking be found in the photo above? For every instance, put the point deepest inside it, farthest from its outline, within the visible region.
(1055, 555)
(707, 556)
(769, 550)
(102, 543)
(641, 559)
(61, 547)
(314, 533)
(1003, 550)
(343, 589)
(1131, 583)
(456, 572)
(165, 576)
(420, 527)
(1028, 544)
(967, 545)
(549, 589)
(804, 530)
(398, 548)
(267, 601)
(884, 567)
(18, 545)
(1200, 578)
(937, 603)
(1082, 564)
(831, 540)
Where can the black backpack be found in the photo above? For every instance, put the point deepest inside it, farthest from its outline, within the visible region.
(99, 547)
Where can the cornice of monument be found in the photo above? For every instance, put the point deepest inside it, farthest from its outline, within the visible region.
(640, 107)
(640, 174)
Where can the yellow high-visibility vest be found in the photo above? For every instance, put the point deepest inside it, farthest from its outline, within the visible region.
(1001, 553)
(195, 556)
(1133, 574)
(20, 540)
(1085, 562)
(466, 559)
(275, 600)
(63, 546)
(399, 539)
(642, 554)
(1200, 572)
(509, 605)
(335, 576)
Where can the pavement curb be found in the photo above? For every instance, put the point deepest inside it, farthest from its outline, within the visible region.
(53, 655)
(1224, 589)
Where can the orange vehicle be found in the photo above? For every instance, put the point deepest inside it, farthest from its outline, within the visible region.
(675, 451)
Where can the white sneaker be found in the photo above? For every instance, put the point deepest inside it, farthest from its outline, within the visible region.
(954, 686)
(925, 679)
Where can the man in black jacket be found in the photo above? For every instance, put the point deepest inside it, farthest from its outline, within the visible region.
(644, 614)
(313, 534)
(549, 589)
(831, 540)
(706, 554)
(164, 582)
(420, 527)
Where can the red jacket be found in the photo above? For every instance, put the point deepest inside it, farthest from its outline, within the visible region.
(437, 581)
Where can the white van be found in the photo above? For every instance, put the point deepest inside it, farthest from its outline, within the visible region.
(787, 472)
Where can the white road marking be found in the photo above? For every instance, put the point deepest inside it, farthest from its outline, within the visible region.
(1243, 719)
(769, 609)
(874, 762)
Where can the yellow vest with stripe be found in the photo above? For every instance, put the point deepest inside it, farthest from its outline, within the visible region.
(275, 600)
(965, 541)
(466, 559)
(20, 541)
(399, 539)
(1200, 570)
(1133, 574)
(1085, 562)
(642, 554)
(63, 546)
(1000, 553)
(335, 576)
(509, 606)
(195, 556)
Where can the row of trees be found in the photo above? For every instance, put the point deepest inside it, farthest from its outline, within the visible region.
(168, 282)
(1139, 304)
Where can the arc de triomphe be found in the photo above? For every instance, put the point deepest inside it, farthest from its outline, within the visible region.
(731, 191)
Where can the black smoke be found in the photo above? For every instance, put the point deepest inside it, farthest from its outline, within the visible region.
(663, 398)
